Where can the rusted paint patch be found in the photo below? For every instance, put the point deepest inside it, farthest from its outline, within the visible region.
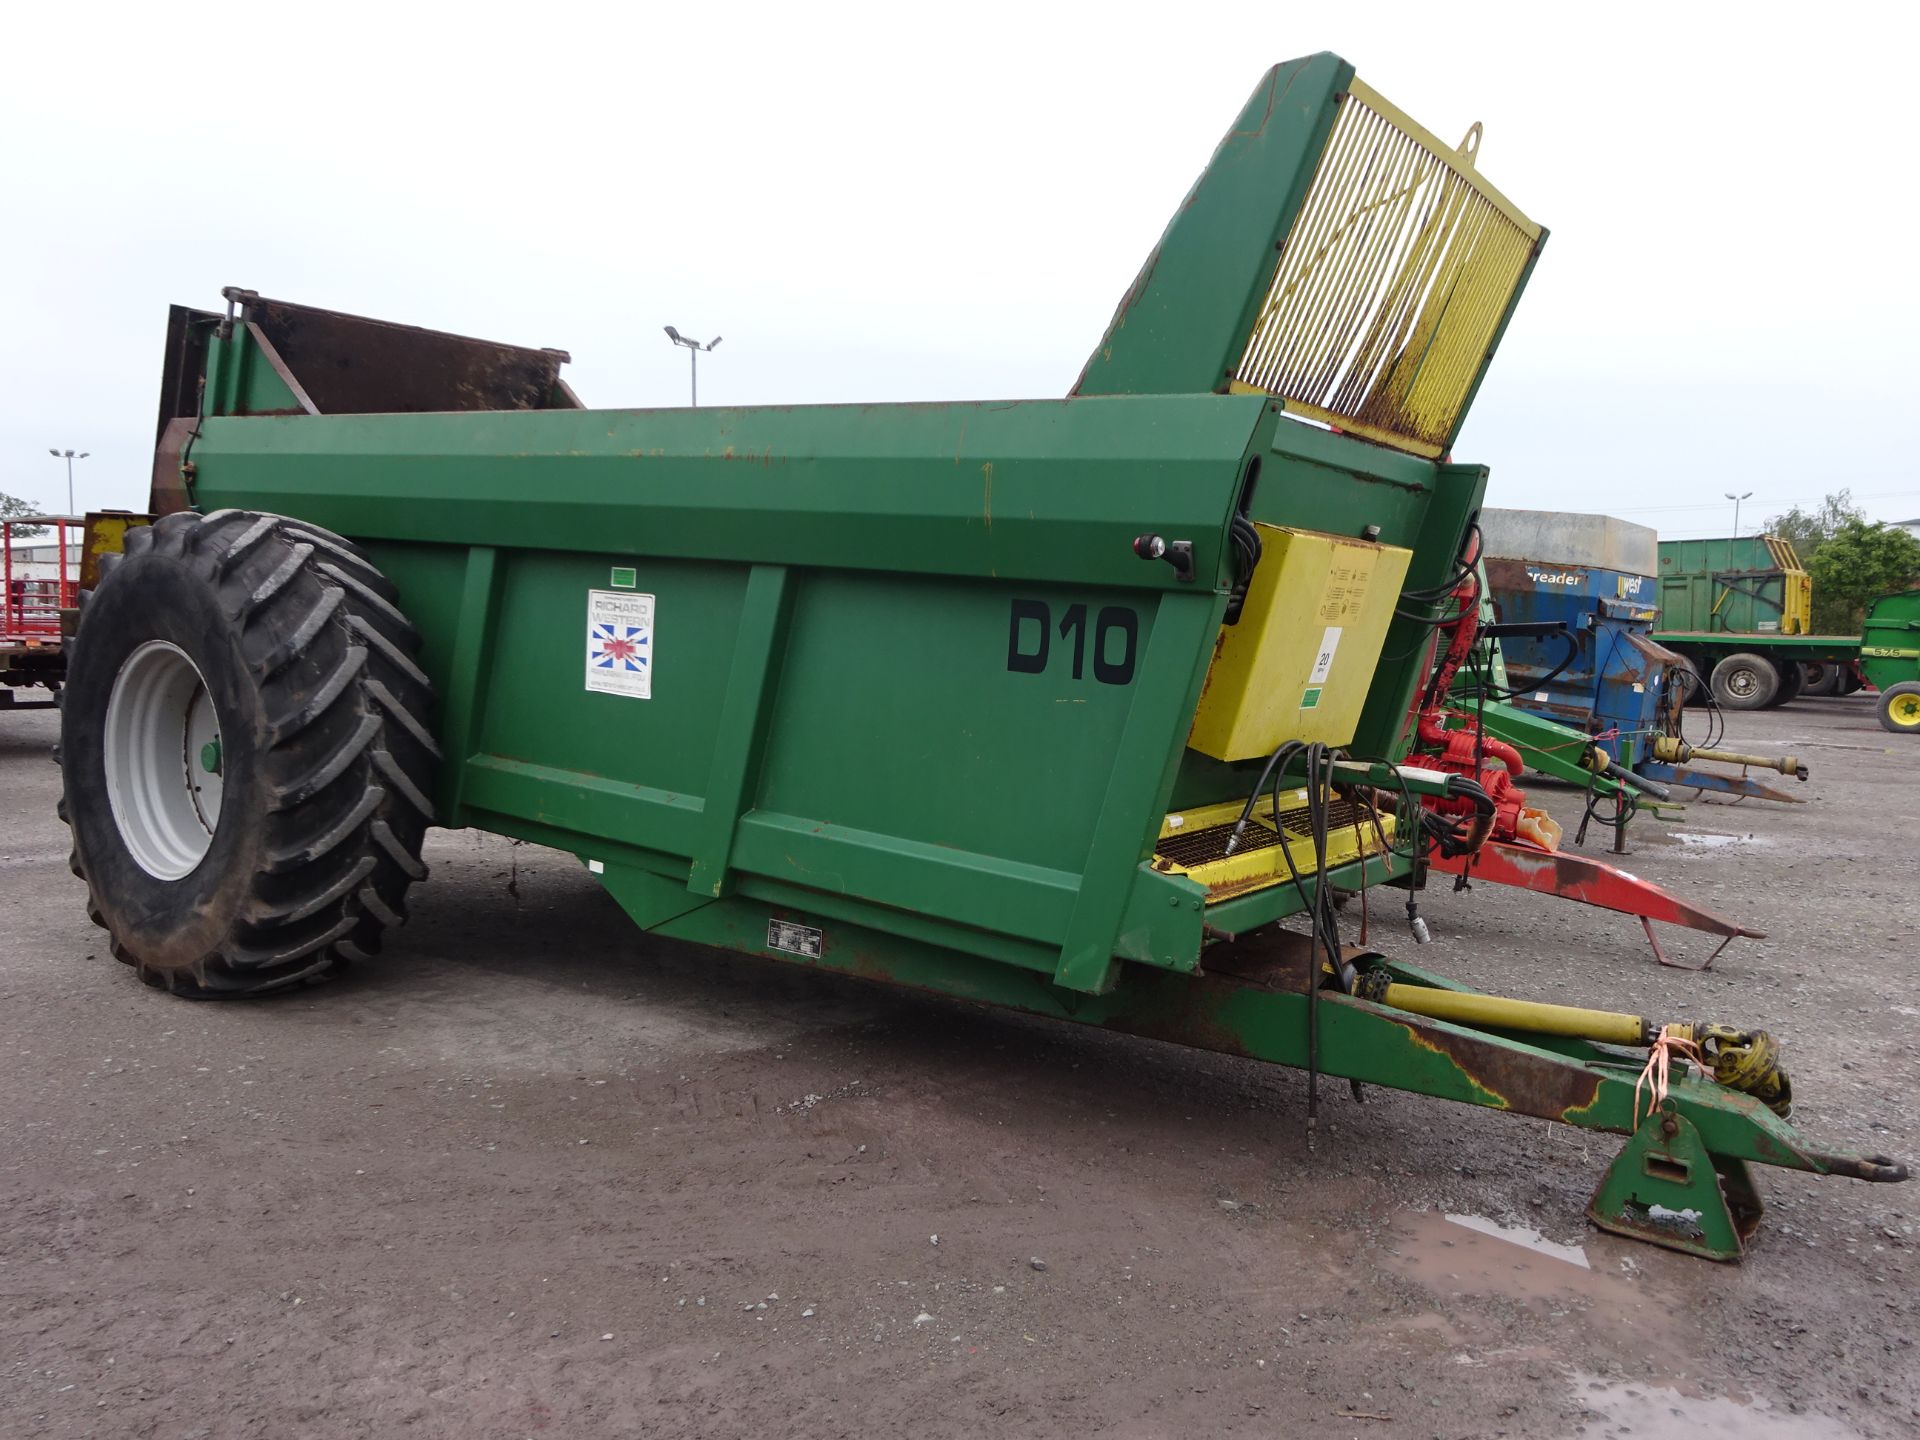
(1273, 960)
(1517, 1080)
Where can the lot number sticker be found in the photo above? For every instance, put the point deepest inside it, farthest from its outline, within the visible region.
(1323, 661)
(620, 643)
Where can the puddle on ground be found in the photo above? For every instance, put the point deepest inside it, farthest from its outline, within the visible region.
(1653, 1412)
(1595, 1290)
(1520, 1235)
(1707, 840)
(1471, 1255)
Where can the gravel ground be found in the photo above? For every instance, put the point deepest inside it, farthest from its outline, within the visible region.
(534, 1173)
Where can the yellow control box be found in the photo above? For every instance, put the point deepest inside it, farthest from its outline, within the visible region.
(1299, 663)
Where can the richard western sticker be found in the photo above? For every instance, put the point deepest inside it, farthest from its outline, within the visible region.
(620, 643)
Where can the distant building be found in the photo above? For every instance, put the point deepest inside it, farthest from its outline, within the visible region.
(38, 560)
(1912, 527)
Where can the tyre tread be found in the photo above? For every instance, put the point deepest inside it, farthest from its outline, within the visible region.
(346, 752)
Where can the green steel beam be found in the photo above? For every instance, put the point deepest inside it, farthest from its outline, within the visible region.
(1185, 319)
(1130, 811)
(824, 571)
(1782, 647)
(467, 672)
(745, 714)
(1553, 750)
(1026, 490)
(1260, 1011)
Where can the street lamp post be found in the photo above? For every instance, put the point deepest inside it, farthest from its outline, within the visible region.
(693, 347)
(1736, 509)
(69, 456)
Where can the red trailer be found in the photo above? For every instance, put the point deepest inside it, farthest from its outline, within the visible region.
(39, 595)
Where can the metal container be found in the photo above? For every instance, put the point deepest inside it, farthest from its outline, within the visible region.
(1749, 585)
(1556, 540)
(1606, 677)
(902, 691)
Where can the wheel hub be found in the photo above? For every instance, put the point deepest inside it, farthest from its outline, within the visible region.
(164, 761)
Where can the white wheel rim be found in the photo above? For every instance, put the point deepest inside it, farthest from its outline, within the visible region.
(163, 760)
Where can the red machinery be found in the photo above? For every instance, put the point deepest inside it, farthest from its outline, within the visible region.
(32, 595)
(1519, 845)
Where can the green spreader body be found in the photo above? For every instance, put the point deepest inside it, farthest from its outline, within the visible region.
(848, 606)
(892, 689)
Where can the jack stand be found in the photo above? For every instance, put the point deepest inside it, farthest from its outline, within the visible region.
(1620, 823)
(1706, 964)
(1667, 1188)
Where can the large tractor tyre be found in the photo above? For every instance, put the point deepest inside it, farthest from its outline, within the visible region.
(1819, 677)
(246, 754)
(1900, 708)
(1792, 680)
(1745, 682)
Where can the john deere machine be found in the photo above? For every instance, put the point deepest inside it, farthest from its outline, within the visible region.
(1064, 705)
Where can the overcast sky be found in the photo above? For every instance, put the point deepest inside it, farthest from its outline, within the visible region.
(945, 202)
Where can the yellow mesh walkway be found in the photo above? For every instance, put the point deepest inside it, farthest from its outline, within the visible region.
(1193, 843)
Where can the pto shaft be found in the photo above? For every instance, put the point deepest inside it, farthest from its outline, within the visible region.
(1534, 1017)
(1744, 1060)
(1672, 751)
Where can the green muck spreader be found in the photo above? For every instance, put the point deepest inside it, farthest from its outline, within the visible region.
(1061, 705)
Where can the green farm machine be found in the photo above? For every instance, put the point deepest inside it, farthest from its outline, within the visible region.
(1740, 611)
(1890, 658)
(1067, 705)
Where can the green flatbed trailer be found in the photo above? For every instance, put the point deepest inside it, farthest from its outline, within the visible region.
(1838, 648)
(907, 692)
(1740, 611)
(1886, 653)
(1760, 670)
(1745, 585)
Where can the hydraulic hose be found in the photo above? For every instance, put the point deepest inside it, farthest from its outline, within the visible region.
(1601, 763)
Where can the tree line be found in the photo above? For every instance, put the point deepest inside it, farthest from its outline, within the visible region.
(1853, 560)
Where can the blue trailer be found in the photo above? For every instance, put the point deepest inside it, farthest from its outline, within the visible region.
(1601, 672)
